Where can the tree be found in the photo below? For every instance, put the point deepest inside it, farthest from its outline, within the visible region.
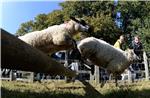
(144, 32)
(84, 8)
(97, 13)
(40, 22)
(104, 28)
(25, 28)
(55, 17)
(101, 15)
(131, 11)
(136, 19)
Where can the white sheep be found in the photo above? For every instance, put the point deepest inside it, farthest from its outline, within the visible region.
(105, 55)
(57, 37)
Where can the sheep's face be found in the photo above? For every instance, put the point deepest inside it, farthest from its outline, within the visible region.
(132, 57)
(81, 25)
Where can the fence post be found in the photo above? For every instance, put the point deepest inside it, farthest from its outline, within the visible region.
(66, 61)
(32, 77)
(97, 74)
(11, 75)
(129, 76)
(91, 77)
(146, 66)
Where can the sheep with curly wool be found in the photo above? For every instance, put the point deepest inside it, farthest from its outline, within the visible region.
(57, 37)
(105, 55)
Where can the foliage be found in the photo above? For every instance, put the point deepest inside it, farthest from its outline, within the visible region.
(40, 22)
(96, 13)
(136, 20)
(102, 16)
(84, 8)
(56, 17)
(145, 35)
(25, 28)
(104, 28)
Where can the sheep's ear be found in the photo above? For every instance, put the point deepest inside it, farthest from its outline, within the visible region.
(73, 18)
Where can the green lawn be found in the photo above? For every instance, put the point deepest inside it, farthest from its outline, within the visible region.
(60, 89)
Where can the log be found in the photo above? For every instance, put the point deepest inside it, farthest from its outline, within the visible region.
(19, 55)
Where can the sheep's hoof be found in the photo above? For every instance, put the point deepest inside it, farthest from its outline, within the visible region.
(103, 83)
(116, 84)
(70, 79)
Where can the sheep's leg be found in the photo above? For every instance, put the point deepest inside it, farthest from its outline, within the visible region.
(70, 41)
(116, 80)
(104, 80)
(103, 83)
(87, 64)
(74, 44)
(82, 59)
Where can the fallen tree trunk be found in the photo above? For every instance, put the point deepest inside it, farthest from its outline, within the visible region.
(19, 55)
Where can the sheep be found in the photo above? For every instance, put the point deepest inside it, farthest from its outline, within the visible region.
(104, 55)
(57, 37)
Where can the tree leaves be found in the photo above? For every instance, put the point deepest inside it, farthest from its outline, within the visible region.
(135, 19)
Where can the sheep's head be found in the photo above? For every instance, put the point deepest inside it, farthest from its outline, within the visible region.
(79, 25)
(132, 57)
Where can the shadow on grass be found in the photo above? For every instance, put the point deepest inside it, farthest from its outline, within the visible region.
(145, 93)
(91, 92)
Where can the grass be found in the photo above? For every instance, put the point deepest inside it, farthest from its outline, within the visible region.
(60, 89)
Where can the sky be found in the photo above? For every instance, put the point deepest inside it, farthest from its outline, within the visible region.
(15, 12)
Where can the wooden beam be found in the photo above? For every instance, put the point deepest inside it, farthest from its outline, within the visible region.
(97, 76)
(19, 55)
